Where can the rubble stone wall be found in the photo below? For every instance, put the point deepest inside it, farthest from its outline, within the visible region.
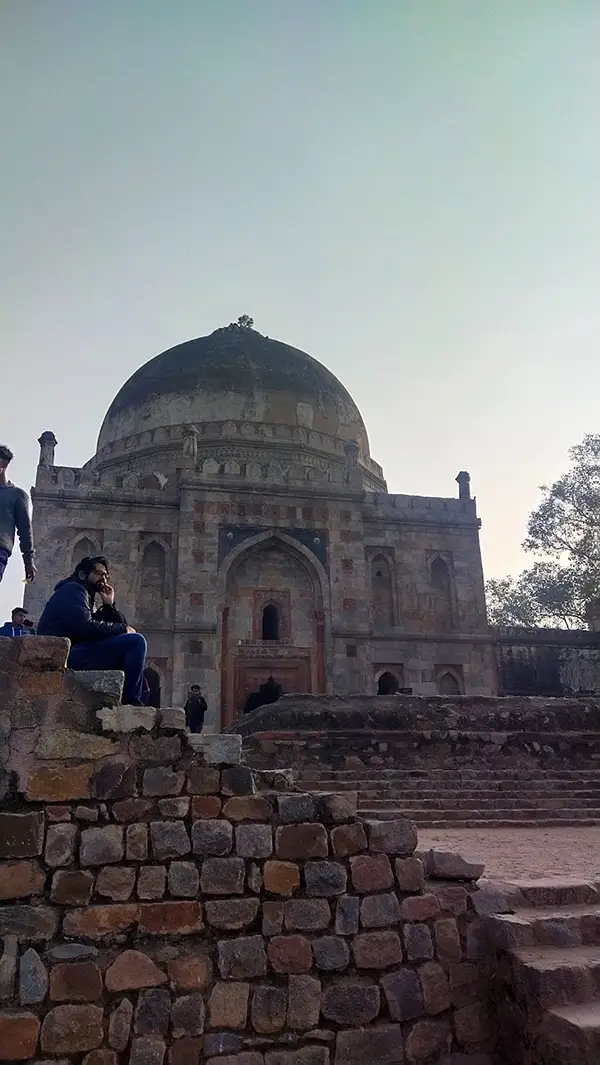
(162, 905)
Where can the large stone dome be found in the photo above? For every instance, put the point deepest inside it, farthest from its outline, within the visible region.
(237, 375)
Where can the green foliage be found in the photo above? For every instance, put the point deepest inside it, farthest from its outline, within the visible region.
(564, 532)
(245, 321)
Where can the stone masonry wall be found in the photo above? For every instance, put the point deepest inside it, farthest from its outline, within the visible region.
(158, 908)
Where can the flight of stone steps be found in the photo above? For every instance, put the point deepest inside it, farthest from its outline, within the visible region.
(547, 979)
(467, 797)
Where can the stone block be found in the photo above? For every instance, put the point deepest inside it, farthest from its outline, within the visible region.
(147, 1050)
(212, 838)
(272, 922)
(228, 1005)
(127, 718)
(445, 865)
(351, 1004)
(222, 749)
(151, 882)
(447, 939)
(379, 911)
(242, 958)
(101, 846)
(218, 1043)
(304, 1002)
(301, 841)
(325, 879)
(45, 654)
(295, 807)
(473, 1023)
(151, 1015)
(131, 809)
(392, 837)
(347, 915)
(64, 744)
(179, 807)
(377, 950)
(72, 887)
(172, 717)
(231, 914)
(186, 1051)
(170, 918)
(19, 880)
(78, 981)
(116, 882)
(61, 843)
(152, 750)
(290, 954)
(91, 814)
(426, 1039)
(253, 841)
(33, 979)
(371, 872)
(403, 995)
(337, 807)
(204, 780)
(100, 1057)
(106, 683)
(114, 778)
(18, 1033)
(119, 1025)
(190, 971)
(205, 807)
(420, 908)
(418, 942)
(131, 971)
(169, 839)
(305, 1056)
(28, 922)
(96, 922)
(269, 1009)
(184, 880)
(248, 808)
(331, 953)
(222, 876)
(47, 783)
(379, 1046)
(452, 898)
(72, 1029)
(71, 952)
(187, 1016)
(162, 780)
(410, 875)
(307, 915)
(281, 878)
(468, 983)
(348, 839)
(136, 848)
(434, 984)
(254, 879)
(8, 967)
(237, 780)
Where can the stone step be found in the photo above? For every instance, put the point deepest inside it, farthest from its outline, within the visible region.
(451, 781)
(498, 810)
(552, 976)
(570, 1035)
(481, 818)
(547, 926)
(462, 802)
(427, 773)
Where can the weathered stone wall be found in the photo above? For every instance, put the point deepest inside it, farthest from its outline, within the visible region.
(157, 907)
(550, 662)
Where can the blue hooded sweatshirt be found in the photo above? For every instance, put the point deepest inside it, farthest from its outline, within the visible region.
(69, 613)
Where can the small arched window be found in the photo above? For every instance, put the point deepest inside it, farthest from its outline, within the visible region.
(440, 575)
(270, 622)
(382, 593)
(84, 548)
(442, 585)
(152, 580)
(448, 684)
(387, 684)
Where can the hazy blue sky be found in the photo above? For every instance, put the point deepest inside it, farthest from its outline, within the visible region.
(407, 189)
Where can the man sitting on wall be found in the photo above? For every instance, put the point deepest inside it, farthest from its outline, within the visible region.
(100, 639)
(19, 624)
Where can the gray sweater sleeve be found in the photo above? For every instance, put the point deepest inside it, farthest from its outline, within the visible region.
(23, 523)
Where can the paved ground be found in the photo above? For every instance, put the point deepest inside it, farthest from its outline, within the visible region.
(524, 852)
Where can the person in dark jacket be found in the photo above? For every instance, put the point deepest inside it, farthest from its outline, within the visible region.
(19, 624)
(195, 709)
(15, 516)
(100, 639)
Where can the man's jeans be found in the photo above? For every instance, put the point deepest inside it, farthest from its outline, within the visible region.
(4, 557)
(126, 652)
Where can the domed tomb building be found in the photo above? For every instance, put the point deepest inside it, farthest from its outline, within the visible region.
(251, 535)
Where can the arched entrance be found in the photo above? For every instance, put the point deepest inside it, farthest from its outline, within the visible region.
(154, 684)
(273, 623)
(387, 684)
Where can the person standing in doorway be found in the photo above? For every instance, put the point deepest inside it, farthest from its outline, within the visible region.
(195, 709)
(15, 517)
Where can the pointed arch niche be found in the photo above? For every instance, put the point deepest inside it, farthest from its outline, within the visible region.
(83, 548)
(382, 572)
(442, 586)
(274, 606)
(152, 581)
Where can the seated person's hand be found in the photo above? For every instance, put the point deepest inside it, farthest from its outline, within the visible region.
(107, 594)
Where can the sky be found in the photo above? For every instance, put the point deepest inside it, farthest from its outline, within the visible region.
(406, 189)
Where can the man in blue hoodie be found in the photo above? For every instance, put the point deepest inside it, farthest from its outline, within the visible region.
(19, 624)
(100, 639)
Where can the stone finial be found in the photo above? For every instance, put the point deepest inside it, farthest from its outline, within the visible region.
(190, 442)
(464, 484)
(592, 613)
(47, 442)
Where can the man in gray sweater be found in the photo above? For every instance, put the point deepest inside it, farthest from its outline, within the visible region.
(15, 516)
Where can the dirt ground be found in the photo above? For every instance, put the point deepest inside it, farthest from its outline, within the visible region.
(526, 853)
